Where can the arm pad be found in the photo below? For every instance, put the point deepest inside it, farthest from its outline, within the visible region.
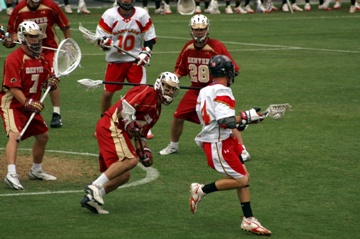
(228, 122)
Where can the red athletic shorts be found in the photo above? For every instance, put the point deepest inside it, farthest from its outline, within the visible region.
(186, 108)
(118, 72)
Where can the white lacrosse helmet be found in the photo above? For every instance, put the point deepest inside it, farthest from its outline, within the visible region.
(30, 28)
(167, 86)
(199, 21)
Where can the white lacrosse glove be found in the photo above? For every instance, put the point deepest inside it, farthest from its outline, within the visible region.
(251, 116)
(105, 43)
(144, 57)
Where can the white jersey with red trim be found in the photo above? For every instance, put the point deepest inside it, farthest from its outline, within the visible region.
(214, 102)
(127, 32)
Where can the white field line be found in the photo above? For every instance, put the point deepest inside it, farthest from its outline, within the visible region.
(151, 174)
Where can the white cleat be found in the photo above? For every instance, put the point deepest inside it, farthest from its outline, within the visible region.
(150, 134)
(197, 10)
(68, 9)
(88, 202)
(94, 191)
(251, 224)
(248, 9)
(228, 10)
(82, 7)
(296, 8)
(168, 150)
(307, 7)
(196, 196)
(40, 175)
(13, 181)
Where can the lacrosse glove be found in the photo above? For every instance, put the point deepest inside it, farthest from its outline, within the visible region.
(144, 57)
(134, 129)
(33, 106)
(250, 117)
(105, 43)
(145, 157)
(8, 41)
(53, 82)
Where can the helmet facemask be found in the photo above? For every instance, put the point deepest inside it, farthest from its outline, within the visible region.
(34, 4)
(199, 22)
(30, 29)
(126, 6)
(167, 86)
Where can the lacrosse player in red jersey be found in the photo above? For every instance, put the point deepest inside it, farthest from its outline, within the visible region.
(26, 73)
(216, 111)
(192, 62)
(131, 29)
(47, 14)
(129, 118)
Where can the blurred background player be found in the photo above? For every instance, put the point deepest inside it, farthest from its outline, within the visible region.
(81, 7)
(192, 61)
(129, 118)
(133, 31)
(216, 111)
(47, 14)
(20, 97)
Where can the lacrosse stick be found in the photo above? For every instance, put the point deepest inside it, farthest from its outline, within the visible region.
(186, 7)
(91, 37)
(276, 111)
(290, 7)
(66, 59)
(93, 84)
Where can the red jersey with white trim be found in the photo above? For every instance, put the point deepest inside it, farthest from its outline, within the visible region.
(47, 16)
(127, 32)
(194, 62)
(145, 101)
(214, 102)
(23, 72)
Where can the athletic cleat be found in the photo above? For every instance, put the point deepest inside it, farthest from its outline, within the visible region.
(352, 9)
(307, 7)
(357, 6)
(149, 135)
(228, 10)
(196, 196)
(240, 10)
(285, 8)
(296, 8)
(40, 175)
(12, 179)
(324, 6)
(68, 9)
(337, 5)
(168, 150)
(88, 202)
(56, 121)
(197, 10)
(251, 224)
(82, 7)
(248, 9)
(94, 191)
(167, 9)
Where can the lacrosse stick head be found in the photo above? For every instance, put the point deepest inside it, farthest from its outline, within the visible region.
(90, 84)
(88, 36)
(276, 111)
(67, 57)
(186, 7)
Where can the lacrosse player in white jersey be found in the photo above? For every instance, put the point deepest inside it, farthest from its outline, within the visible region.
(216, 110)
(131, 29)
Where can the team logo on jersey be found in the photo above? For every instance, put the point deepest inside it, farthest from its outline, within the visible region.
(13, 80)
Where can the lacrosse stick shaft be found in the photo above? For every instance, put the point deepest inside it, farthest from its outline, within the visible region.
(137, 84)
(290, 7)
(44, 47)
(32, 116)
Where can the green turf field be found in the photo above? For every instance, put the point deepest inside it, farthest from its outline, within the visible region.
(304, 168)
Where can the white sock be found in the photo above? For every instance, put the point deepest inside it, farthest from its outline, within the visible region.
(174, 144)
(56, 109)
(37, 167)
(101, 180)
(11, 169)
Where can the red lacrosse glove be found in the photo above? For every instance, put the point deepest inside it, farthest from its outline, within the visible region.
(105, 43)
(144, 57)
(134, 128)
(145, 157)
(8, 41)
(53, 82)
(33, 106)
